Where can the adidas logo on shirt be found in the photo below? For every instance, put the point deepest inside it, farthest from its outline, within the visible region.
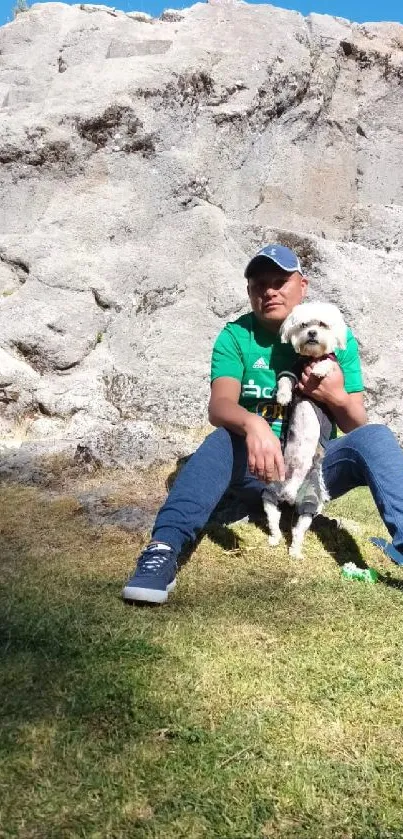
(261, 364)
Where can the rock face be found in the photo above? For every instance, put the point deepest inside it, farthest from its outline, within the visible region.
(142, 162)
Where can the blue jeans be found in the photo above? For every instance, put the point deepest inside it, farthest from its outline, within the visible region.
(369, 456)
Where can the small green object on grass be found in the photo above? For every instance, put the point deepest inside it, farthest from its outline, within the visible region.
(352, 572)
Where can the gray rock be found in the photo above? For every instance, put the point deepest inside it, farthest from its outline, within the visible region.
(128, 441)
(142, 161)
(130, 517)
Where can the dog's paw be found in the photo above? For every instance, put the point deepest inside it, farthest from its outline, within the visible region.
(295, 553)
(323, 368)
(284, 392)
(275, 540)
(283, 398)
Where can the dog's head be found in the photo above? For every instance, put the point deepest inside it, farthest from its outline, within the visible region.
(315, 329)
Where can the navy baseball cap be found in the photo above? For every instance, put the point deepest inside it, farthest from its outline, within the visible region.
(284, 257)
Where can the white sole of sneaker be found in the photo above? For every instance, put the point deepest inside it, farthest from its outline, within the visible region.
(147, 595)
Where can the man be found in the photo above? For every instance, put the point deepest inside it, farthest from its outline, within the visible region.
(245, 450)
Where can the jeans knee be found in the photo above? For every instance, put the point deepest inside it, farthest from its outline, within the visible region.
(225, 446)
(219, 443)
(221, 436)
(373, 436)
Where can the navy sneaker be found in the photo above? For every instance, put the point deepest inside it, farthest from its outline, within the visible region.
(388, 549)
(154, 576)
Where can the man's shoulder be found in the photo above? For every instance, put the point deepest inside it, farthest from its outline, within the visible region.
(241, 326)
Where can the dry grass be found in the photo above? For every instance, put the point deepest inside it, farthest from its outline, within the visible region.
(262, 701)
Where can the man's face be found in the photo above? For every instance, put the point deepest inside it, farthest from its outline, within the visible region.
(273, 293)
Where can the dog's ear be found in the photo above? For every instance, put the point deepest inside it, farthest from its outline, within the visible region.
(286, 329)
(288, 326)
(340, 330)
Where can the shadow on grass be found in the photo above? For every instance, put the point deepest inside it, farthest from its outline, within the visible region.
(341, 545)
(337, 541)
(238, 505)
(69, 648)
(74, 658)
(62, 656)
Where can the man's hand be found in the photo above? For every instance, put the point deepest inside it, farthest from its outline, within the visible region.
(265, 459)
(329, 390)
(347, 408)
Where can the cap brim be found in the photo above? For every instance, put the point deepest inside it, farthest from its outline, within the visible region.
(261, 260)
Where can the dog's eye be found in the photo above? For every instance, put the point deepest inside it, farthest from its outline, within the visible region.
(304, 325)
(323, 325)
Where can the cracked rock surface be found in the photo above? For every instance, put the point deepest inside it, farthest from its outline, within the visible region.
(142, 162)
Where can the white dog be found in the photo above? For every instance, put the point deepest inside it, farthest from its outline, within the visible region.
(315, 330)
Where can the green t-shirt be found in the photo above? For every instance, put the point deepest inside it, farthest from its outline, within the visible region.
(246, 351)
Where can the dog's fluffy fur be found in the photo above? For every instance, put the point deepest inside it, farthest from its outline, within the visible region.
(315, 330)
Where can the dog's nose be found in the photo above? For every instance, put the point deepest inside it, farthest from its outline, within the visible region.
(312, 333)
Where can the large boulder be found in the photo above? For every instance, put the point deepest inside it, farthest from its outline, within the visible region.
(142, 162)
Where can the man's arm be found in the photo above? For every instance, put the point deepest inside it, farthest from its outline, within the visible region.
(223, 407)
(350, 412)
(347, 408)
(265, 459)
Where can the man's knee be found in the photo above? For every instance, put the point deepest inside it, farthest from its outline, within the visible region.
(371, 438)
(221, 434)
(220, 437)
(222, 443)
(226, 447)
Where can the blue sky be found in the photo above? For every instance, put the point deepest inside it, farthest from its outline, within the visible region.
(359, 10)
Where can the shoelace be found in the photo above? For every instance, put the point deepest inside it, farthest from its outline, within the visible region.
(153, 558)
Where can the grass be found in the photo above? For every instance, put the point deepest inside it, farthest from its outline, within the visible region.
(263, 701)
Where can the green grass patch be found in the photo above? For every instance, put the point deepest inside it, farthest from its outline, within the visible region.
(264, 700)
